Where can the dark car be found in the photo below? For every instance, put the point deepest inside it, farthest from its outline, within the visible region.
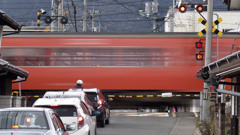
(100, 104)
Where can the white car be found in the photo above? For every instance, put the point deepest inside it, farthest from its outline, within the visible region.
(73, 112)
(30, 121)
(68, 94)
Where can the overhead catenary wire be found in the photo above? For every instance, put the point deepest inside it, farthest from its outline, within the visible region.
(161, 24)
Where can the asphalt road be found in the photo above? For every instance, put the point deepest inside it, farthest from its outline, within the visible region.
(138, 125)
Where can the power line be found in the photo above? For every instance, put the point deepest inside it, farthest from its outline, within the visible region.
(124, 6)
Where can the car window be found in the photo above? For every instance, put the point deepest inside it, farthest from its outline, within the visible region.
(59, 122)
(85, 108)
(92, 96)
(54, 121)
(87, 100)
(23, 120)
(64, 110)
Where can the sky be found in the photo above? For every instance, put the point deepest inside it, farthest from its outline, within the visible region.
(116, 15)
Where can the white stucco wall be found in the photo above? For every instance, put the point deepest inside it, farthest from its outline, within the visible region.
(188, 21)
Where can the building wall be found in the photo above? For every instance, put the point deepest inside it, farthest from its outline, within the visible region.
(188, 21)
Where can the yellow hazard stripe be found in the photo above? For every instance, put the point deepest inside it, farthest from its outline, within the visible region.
(202, 21)
(219, 33)
(111, 96)
(215, 23)
(201, 33)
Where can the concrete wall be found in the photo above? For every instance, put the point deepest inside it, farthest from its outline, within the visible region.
(12, 101)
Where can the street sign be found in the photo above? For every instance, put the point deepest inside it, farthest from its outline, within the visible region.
(215, 23)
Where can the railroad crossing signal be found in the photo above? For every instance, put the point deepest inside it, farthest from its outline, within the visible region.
(215, 23)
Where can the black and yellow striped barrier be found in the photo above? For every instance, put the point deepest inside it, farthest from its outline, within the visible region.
(125, 96)
(151, 96)
(215, 23)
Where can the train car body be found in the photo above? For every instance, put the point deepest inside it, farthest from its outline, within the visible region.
(165, 62)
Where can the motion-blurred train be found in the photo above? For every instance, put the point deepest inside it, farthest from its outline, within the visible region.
(127, 61)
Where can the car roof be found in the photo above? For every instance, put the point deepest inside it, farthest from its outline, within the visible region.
(63, 94)
(75, 89)
(96, 90)
(25, 109)
(58, 101)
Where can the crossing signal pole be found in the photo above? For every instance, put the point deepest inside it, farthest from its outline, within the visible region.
(39, 13)
(208, 55)
(38, 18)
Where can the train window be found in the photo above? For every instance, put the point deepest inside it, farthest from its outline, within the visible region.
(89, 56)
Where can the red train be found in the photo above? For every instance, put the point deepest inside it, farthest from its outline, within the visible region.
(55, 61)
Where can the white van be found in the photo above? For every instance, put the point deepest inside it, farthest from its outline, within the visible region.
(73, 112)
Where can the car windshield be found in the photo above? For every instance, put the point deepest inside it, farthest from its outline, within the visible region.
(23, 120)
(92, 96)
(63, 110)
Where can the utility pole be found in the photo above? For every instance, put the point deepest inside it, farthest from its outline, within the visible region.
(85, 16)
(155, 13)
(93, 14)
(57, 11)
(208, 57)
(53, 13)
(171, 17)
(60, 13)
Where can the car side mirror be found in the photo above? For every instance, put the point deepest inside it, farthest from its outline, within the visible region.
(95, 113)
(70, 127)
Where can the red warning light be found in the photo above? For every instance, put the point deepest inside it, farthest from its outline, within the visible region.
(199, 45)
(54, 105)
(47, 53)
(199, 8)
(199, 56)
(182, 8)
